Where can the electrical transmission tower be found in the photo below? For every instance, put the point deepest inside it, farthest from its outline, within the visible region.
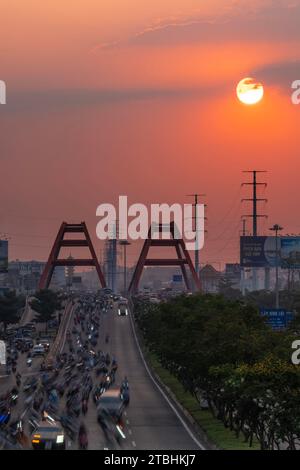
(254, 216)
(196, 229)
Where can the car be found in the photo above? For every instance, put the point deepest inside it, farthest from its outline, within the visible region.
(45, 343)
(48, 435)
(11, 333)
(27, 333)
(30, 327)
(111, 401)
(38, 350)
(122, 310)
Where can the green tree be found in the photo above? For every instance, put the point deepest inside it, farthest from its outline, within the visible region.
(227, 289)
(261, 400)
(10, 305)
(45, 303)
(223, 351)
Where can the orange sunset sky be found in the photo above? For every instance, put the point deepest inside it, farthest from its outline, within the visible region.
(137, 97)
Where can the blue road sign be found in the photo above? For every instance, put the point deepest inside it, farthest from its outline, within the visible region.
(278, 319)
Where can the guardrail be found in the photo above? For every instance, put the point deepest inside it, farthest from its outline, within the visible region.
(58, 344)
(27, 311)
(130, 303)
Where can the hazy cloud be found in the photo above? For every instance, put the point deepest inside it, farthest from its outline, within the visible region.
(280, 74)
(50, 100)
(242, 21)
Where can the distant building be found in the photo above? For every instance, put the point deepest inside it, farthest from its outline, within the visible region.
(59, 277)
(24, 276)
(233, 274)
(110, 262)
(210, 279)
(77, 283)
(69, 271)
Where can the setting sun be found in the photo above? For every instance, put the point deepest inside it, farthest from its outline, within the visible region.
(249, 91)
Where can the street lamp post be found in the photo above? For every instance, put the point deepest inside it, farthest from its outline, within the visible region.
(276, 228)
(125, 243)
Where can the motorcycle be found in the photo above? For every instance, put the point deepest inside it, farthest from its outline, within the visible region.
(82, 438)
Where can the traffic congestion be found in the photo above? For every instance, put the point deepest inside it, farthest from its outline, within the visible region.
(55, 405)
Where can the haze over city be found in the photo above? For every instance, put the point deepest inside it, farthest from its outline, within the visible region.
(139, 98)
(149, 238)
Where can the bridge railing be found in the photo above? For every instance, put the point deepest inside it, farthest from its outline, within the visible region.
(59, 341)
(27, 313)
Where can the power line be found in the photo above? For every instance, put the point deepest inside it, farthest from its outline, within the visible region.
(231, 207)
(195, 218)
(23, 235)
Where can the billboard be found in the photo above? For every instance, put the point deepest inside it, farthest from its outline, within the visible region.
(290, 252)
(278, 319)
(258, 252)
(3, 256)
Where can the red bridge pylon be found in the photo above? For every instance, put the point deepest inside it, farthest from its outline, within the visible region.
(59, 243)
(183, 258)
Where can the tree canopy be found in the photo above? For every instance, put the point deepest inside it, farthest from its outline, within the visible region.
(10, 305)
(45, 303)
(223, 351)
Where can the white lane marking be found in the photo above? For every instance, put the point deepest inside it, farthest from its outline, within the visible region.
(125, 413)
(197, 442)
(129, 432)
(24, 412)
(127, 421)
(133, 443)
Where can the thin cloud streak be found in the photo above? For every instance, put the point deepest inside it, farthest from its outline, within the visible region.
(275, 21)
(48, 100)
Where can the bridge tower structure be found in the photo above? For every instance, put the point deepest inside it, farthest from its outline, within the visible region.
(183, 259)
(62, 242)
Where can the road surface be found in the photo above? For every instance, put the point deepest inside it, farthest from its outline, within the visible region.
(151, 423)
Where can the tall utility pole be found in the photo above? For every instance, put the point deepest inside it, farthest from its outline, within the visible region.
(111, 256)
(196, 229)
(276, 228)
(243, 269)
(255, 216)
(125, 243)
(114, 242)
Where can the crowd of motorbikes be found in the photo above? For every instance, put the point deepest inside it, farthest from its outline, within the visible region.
(62, 394)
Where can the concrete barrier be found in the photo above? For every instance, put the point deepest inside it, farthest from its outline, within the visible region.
(60, 339)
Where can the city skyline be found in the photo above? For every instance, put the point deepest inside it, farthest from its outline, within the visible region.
(140, 100)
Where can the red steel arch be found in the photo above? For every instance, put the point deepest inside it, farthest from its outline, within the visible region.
(59, 243)
(183, 258)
